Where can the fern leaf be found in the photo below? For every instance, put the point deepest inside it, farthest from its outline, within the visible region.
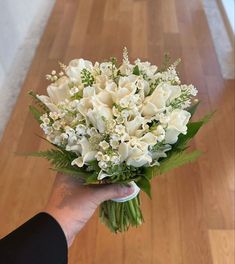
(58, 158)
(177, 159)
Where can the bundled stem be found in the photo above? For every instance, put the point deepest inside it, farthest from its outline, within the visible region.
(118, 217)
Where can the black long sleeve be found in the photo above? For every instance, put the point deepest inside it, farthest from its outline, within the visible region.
(38, 241)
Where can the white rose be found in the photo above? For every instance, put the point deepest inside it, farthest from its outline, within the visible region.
(133, 125)
(87, 154)
(58, 92)
(75, 67)
(149, 138)
(126, 87)
(136, 156)
(178, 120)
(99, 115)
(47, 101)
(157, 101)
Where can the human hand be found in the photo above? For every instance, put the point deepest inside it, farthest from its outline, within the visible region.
(72, 204)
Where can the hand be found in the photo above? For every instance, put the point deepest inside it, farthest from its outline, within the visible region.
(72, 204)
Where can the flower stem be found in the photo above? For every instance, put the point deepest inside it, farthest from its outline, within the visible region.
(118, 217)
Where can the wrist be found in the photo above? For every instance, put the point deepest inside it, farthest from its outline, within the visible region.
(66, 227)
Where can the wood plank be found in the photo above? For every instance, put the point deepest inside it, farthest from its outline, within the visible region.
(222, 246)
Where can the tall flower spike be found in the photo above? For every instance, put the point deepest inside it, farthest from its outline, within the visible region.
(62, 66)
(125, 56)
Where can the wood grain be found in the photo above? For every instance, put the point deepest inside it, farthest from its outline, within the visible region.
(191, 215)
(222, 246)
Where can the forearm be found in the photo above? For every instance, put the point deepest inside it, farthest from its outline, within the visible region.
(40, 240)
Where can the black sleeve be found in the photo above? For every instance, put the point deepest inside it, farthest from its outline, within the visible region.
(38, 241)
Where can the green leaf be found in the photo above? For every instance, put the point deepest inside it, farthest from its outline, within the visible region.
(192, 129)
(92, 179)
(166, 63)
(58, 158)
(192, 109)
(175, 160)
(144, 185)
(38, 102)
(73, 172)
(36, 113)
(136, 70)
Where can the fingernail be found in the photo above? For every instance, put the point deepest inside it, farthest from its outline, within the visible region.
(128, 190)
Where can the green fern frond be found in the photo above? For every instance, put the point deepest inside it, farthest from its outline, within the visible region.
(177, 159)
(58, 158)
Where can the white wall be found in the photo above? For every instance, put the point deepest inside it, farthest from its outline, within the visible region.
(16, 19)
(22, 23)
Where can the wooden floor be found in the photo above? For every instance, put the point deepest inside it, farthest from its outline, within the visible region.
(190, 218)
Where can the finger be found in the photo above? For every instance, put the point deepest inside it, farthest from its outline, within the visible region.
(113, 191)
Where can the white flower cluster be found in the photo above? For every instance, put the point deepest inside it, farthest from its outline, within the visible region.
(130, 113)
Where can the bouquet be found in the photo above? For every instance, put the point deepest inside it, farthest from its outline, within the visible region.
(117, 123)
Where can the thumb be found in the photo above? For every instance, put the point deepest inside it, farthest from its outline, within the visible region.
(113, 191)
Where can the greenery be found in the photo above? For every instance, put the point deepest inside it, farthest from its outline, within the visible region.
(36, 113)
(118, 217)
(87, 77)
(43, 108)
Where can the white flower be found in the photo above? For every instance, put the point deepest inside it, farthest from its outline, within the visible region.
(157, 101)
(75, 67)
(106, 68)
(133, 125)
(102, 174)
(177, 124)
(106, 158)
(99, 155)
(59, 90)
(98, 116)
(146, 67)
(56, 125)
(104, 145)
(92, 131)
(149, 138)
(134, 156)
(54, 115)
(114, 143)
(102, 164)
(115, 159)
(126, 87)
(87, 153)
(160, 133)
(81, 129)
(120, 129)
